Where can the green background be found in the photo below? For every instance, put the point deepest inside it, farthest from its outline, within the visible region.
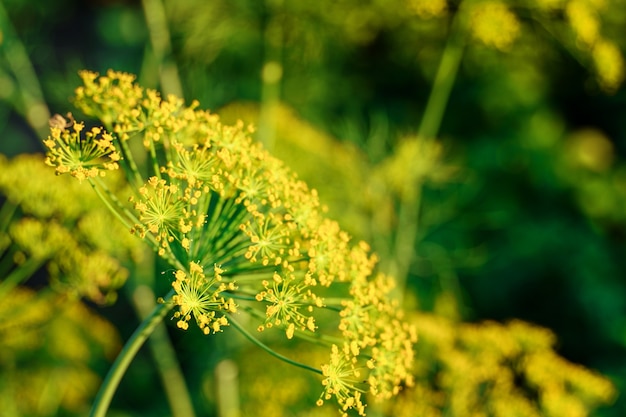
(528, 228)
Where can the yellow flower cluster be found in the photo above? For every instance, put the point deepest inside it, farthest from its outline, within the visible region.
(215, 199)
(47, 353)
(82, 158)
(494, 369)
(499, 24)
(414, 162)
(199, 297)
(427, 8)
(584, 19)
(372, 328)
(493, 24)
(461, 369)
(55, 222)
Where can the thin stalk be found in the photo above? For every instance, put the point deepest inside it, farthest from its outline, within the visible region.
(169, 256)
(107, 202)
(6, 261)
(409, 210)
(165, 357)
(19, 275)
(130, 160)
(444, 80)
(318, 338)
(6, 215)
(408, 227)
(117, 371)
(32, 104)
(155, 161)
(242, 297)
(272, 352)
(156, 20)
(271, 74)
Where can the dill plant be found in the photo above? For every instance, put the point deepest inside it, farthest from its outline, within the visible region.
(244, 236)
(48, 336)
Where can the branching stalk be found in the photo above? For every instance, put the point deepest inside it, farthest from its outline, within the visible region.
(266, 348)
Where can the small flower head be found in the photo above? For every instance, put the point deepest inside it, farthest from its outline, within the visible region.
(493, 24)
(107, 96)
(197, 164)
(270, 240)
(609, 64)
(199, 297)
(372, 321)
(392, 359)
(342, 380)
(82, 157)
(329, 253)
(161, 210)
(427, 8)
(584, 21)
(286, 302)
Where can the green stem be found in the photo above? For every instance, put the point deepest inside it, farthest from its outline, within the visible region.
(444, 80)
(271, 74)
(408, 213)
(404, 245)
(19, 274)
(164, 357)
(130, 161)
(115, 211)
(266, 348)
(156, 19)
(154, 160)
(6, 215)
(117, 371)
(32, 105)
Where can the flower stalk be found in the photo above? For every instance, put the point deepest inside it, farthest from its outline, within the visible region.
(123, 360)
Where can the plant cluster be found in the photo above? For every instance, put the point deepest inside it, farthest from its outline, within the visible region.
(243, 234)
(462, 369)
(50, 340)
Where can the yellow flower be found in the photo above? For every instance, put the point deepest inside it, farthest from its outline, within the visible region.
(343, 381)
(495, 369)
(48, 351)
(106, 96)
(270, 239)
(81, 157)
(193, 165)
(162, 212)
(495, 25)
(286, 299)
(392, 359)
(584, 21)
(427, 8)
(609, 64)
(40, 240)
(199, 297)
(213, 197)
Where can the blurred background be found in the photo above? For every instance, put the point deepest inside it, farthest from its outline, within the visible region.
(478, 146)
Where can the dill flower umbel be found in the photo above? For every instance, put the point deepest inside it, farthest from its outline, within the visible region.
(199, 297)
(81, 158)
(243, 234)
